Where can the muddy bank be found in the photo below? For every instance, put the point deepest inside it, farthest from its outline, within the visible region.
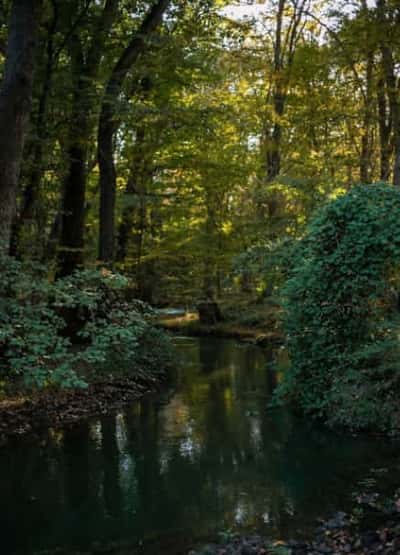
(54, 407)
(190, 325)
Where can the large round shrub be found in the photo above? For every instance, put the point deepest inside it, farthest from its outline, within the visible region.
(342, 313)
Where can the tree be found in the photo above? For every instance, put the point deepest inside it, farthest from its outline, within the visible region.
(86, 55)
(40, 124)
(284, 47)
(15, 105)
(387, 21)
(108, 127)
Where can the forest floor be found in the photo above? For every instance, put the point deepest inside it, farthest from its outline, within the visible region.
(21, 414)
(241, 320)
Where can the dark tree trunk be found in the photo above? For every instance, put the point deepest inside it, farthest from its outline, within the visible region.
(85, 67)
(30, 193)
(134, 218)
(108, 126)
(127, 221)
(388, 66)
(15, 106)
(366, 138)
(70, 253)
(140, 171)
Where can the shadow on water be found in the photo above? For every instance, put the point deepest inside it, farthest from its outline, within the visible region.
(204, 458)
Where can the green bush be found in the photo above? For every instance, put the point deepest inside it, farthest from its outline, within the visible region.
(341, 313)
(69, 331)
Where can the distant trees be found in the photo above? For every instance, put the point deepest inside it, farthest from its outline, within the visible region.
(164, 132)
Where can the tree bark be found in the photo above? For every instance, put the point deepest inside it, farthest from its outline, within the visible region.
(30, 193)
(284, 51)
(85, 72)
(366, 140)
(141, 172)
(135, 186)
(279, 98)
(388, 66)
(15, 106)
(108, 126)
(385, 131)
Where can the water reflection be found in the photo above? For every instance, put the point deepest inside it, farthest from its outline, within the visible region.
(204, 458)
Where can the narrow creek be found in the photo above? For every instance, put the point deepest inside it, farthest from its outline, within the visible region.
(203, 458)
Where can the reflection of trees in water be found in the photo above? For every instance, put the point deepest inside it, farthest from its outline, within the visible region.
(111, 456)
(225, 442)
(77, 482)
(210, 458)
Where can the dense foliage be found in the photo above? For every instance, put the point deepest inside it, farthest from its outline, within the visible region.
(342, 314)
(67, 332)
(228, 132)
(186, 145)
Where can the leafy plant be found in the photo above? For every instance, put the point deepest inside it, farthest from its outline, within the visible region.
(41, 320)
(341, 313)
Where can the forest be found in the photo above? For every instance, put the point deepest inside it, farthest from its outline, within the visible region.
(185, 154)
(217, 170)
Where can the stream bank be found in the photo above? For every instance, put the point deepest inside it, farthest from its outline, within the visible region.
(21, 414)
(255, 323)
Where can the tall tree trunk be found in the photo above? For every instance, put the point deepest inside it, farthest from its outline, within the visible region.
(134, 187)
(385, 130)
(388, 66)
(70, 252)
(284, 51)
(141, 172)
(274, 140)
(366, 141)
(108, 126)
(15, 106)
(85, 71)
(31, 190)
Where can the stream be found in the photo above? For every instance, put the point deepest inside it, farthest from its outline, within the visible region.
(202, 458)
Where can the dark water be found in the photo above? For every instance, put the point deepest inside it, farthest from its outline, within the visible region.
(204, 458)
